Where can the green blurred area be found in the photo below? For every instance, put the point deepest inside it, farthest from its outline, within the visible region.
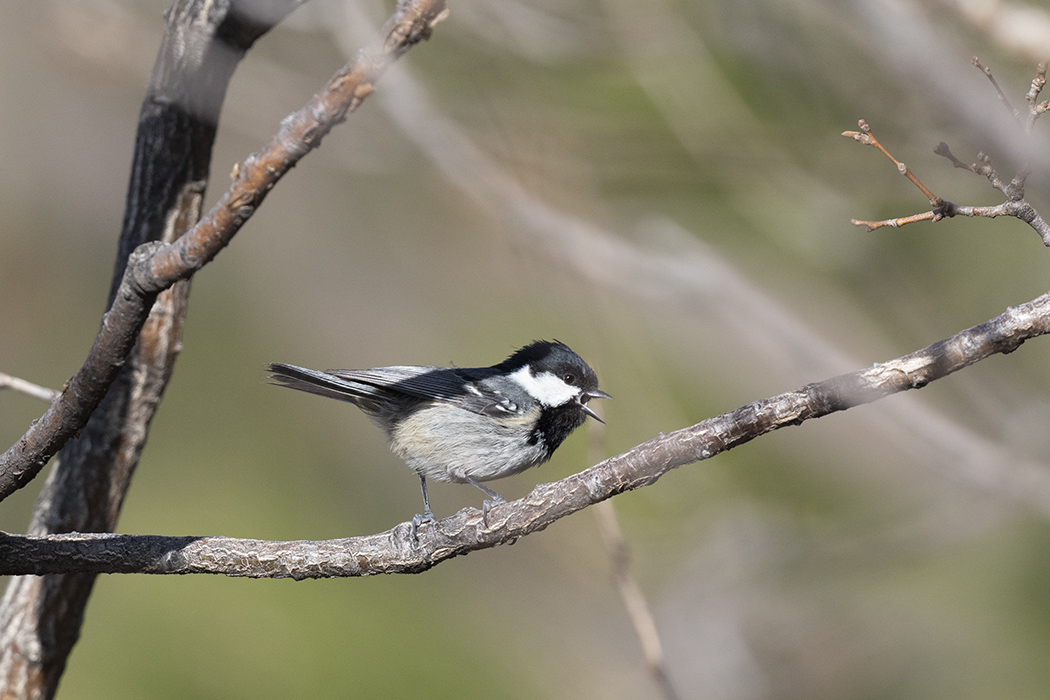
(896, 550)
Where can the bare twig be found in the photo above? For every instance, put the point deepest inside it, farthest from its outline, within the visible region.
(28, 388)
(1036, 108)
(397, 551)
(154, 267)
(1015, 188)
(866, 137)
(943, 150)
(896, 223)
(995, 84)
(1020, 210)
(1015, 205)
(982, 167)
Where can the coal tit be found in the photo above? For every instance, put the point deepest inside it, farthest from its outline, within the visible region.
(467, 425)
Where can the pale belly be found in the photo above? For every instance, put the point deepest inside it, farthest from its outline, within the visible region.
(444, 443)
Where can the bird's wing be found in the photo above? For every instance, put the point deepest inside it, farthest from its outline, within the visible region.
(422, 382)
(457, 386)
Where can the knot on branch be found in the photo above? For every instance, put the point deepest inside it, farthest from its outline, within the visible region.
(139, 279)
(413, 24)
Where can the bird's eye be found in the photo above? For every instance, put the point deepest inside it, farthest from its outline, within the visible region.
(569, 378)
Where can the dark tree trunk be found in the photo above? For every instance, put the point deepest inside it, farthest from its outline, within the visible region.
(40, 617)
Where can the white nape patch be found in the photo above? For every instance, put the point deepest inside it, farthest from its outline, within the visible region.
(545, 387)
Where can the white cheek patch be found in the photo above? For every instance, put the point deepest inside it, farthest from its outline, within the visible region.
(546, 388)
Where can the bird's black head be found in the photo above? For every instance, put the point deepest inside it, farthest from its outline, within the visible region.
(555, 376)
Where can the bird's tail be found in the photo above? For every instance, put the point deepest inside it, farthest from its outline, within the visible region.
(321, 383)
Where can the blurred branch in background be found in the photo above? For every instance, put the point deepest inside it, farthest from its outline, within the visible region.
(634, 600)
(27, 388)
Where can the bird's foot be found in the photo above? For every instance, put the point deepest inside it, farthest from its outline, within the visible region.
(417, 520)
(488, 503)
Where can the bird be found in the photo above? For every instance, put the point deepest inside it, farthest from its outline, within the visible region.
(466, 425)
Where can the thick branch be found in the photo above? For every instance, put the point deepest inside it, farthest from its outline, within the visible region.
(40, 617)
(395, 551)
(157, 266)
(1019, 209)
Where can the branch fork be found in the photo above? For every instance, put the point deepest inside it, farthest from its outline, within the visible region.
(155, 266)
(1014, 190)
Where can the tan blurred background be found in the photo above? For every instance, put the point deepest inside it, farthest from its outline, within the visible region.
(661, 185)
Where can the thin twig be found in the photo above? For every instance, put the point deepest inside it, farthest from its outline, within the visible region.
(896, 223)
(998, 90)
(982, 167)
(943, 150)
(1035, 108)
(1021, 210)
(399, 551)
(28, 388)
(154, 267)
(1018, 209)
(866, 137)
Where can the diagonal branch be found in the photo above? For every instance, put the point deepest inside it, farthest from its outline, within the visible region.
(995, 84)
(395, 551)
(154, 267)
(867, 138)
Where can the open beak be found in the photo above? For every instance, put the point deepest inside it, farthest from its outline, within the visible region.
(587, 396)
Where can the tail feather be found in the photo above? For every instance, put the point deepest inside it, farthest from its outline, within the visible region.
(321, 383)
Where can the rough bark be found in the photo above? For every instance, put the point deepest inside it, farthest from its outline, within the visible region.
(404, 550)
(40, 617)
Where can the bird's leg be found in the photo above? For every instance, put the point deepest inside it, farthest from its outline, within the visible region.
(494, 499)
(428, 515)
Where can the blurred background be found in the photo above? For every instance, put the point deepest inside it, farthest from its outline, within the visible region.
(660, 184)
